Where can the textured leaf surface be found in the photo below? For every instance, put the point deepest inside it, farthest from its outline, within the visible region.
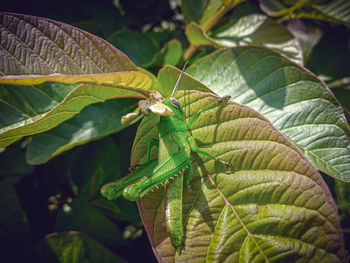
(34, 50)
(92, 123)
(38, 46)
(72, 247)
(271, 206)
(295, 101)
(250, 30)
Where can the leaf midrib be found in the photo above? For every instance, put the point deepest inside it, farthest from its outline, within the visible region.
(249, 234)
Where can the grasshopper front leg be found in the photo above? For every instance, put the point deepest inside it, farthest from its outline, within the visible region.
(191, 140)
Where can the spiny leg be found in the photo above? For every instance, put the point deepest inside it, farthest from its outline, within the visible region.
(194, 148)
(191, 141)
(197, 114)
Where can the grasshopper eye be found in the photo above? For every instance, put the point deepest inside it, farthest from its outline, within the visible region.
(175, 101)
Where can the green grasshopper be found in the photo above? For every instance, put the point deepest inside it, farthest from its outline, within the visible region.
(176, 146)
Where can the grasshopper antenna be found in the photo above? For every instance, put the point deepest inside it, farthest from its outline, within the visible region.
(178, 80)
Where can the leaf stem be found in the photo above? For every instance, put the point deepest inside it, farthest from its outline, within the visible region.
(216, 17)
(189, 52)
(207, 26)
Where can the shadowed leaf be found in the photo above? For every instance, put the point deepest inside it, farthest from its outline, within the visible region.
(92, 123)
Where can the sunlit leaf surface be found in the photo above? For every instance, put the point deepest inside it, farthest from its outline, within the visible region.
(294, 100)
(271, 206)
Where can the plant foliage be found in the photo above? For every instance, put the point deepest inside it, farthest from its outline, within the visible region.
(68, 78)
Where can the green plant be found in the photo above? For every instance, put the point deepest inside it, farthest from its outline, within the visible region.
(62, 87)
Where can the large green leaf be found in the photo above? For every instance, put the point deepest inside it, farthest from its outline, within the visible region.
(72, 247)
(250, 30)
(34, 50)
(271, 206)
(92, 123)
(294, 100)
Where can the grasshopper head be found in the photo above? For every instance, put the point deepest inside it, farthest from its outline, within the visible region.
(175, 102)
(174, 105)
